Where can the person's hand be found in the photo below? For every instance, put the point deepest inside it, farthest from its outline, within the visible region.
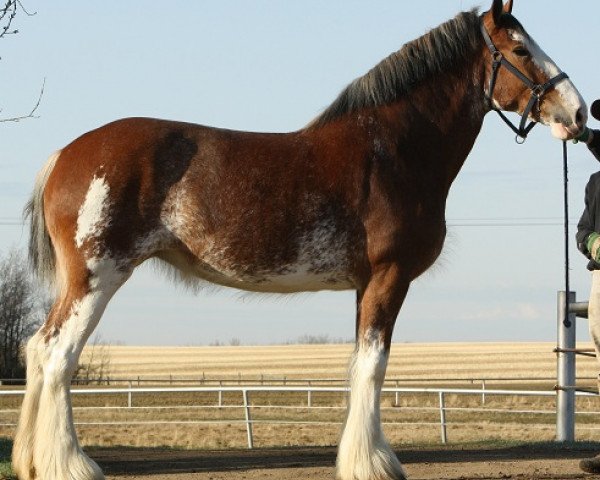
(594, 143)
(593, 246)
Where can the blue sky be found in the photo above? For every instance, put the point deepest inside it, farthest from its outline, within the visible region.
(273, 66)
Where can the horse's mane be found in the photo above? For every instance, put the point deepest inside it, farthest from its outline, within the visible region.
(444, 47)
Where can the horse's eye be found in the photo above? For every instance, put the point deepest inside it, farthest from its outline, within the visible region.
(521, 52)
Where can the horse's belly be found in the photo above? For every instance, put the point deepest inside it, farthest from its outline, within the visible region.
(265, 252)
(289, 281)
(302, 278)
(296, 277)
(312, 267)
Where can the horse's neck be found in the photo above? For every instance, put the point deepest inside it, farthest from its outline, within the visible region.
(440, 120)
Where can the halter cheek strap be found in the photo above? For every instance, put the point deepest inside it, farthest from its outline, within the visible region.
(537, 90)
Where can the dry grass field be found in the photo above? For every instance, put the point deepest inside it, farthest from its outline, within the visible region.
(408, 361)
(172, 419)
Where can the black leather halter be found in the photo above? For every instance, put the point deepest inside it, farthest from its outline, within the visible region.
(537, 90)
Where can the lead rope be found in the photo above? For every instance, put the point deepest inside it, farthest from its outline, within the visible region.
(566, 321)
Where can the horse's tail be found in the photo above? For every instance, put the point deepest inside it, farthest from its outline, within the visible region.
(42, 255)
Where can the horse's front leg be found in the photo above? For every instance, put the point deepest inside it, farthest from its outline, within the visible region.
(364, 453)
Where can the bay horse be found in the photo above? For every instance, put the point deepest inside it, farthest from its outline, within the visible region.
(355, 200)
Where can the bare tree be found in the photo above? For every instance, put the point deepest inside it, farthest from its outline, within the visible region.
(309, 339)
(94, 366)
(8, 14)
(21, 312)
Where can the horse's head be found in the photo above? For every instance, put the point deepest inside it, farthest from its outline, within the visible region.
(522, 78)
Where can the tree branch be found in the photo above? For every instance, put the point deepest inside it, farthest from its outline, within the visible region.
(8, 13)
(31, 114)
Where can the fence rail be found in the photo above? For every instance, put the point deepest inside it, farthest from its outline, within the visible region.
(271, 380)
(247, 390)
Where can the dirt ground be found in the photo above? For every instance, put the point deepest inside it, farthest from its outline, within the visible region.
(520, 462)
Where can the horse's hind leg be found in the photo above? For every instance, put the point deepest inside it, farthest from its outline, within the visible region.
(47, 441)
(22, 453)
(364, 453)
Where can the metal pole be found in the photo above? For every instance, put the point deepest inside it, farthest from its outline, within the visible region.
(220, 394)
(397, 396)
(248, 419)
(309, 394)
(129, 395)
(565, 397)
(443, 418)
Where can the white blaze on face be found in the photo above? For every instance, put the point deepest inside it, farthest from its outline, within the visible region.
(93, 212)
(571, 100)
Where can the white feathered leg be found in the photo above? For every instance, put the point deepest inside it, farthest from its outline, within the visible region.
(22, 453)
(57, 454)
(364, 453)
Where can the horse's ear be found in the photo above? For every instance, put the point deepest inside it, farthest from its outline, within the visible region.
(497, 10)
(508, 6)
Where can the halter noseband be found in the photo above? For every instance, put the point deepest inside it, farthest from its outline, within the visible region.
(537, 90)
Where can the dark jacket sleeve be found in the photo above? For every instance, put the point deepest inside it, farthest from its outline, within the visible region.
(590, 218)
(586, 222)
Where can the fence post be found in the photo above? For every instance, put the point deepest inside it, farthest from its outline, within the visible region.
(220, 394)
(130, 395)
(248, 419)
(565, 396)
(483, 391)
(443, 418)
(309, 395)
(397, 396)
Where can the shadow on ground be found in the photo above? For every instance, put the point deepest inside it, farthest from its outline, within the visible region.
(116, 461)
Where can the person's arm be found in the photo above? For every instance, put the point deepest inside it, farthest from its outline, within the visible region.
(586, 236)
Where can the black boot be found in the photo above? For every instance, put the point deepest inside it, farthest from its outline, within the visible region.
(590, 465)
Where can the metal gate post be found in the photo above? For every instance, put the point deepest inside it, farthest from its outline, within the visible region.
(565, 397)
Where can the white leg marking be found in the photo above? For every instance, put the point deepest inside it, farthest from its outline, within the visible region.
(364, 453)
(22, 453)
(57, 454)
